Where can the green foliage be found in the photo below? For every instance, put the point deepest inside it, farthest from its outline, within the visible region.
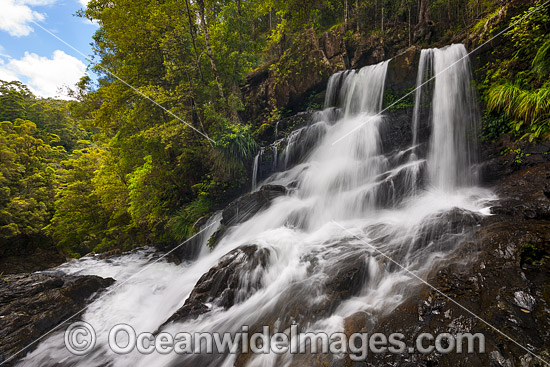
(517, 86)
(483, 21)
(80, 219)
(233, 149)
(533, 255)
(394, 102)
(182, 224)
(494, 126)
(524, 107)
(27, 182)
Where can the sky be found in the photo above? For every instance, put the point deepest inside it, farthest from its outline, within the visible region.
(36, 58)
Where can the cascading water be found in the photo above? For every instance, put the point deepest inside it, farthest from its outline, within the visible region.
(455, 120)
(422, 95)
(255, 167)
(346, 181)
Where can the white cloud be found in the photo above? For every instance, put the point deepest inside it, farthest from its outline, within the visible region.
(6, 74)
(84, 3)
(43, 75)
(15, 16)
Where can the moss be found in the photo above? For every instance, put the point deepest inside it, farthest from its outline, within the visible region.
(533, 255)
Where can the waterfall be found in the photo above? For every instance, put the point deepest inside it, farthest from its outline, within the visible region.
(333, 88)
(339, 176)
(255, 166)
(356, 97)
(422, 100)
(275, 147)
(454, 119)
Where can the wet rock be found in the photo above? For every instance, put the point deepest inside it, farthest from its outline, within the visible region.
(33, 304)
(499, 360)
(248, 205)
(524, 300)
(342, 280)
(486, 283)
(402, 69)
(503, 157)
(224, 285)
(108, 254)
(396, 130)
(525, 194)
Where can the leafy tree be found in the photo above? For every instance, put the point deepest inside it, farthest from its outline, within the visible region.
(27, 182)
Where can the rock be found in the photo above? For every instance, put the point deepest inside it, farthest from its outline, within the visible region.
(524, 300)
(370, 50)
(493, 285)
(396, 130)
(504, 157)
(525, 194)
(277, 85)
(108, 254)
(221, 284)
(248, 205)
(499, 360)
(33, 304)
(332, 43)
(403, 68)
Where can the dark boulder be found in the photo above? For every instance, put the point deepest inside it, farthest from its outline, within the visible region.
(221, 284)
(503, 157)
(245, 207)
(33, 304)
(248, 205)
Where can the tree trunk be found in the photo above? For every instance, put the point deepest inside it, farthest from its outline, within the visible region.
(375, 12)
(209, 51)
(235, 83)
(192, 33)
(357, 14)
(424, 14)
(382, 27)
(345, 11)
(410, 25)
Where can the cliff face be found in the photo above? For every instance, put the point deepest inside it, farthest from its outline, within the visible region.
(306, 66)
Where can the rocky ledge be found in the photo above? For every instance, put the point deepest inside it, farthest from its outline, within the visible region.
(33, 304)
(503, 292)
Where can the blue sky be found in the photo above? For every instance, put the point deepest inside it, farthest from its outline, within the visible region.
(36, 58)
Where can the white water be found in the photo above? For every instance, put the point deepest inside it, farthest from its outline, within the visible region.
(455, 120)
(255, 166)
(352, 183)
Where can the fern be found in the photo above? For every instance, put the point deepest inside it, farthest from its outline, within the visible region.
(525, 107)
